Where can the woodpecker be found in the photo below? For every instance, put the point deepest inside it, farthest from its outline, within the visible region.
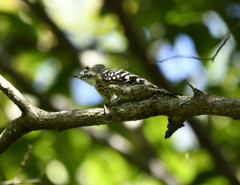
(119, 86)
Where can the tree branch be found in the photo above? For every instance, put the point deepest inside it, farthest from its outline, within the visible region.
(178, 109)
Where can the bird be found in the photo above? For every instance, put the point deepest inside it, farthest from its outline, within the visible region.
(119, 86)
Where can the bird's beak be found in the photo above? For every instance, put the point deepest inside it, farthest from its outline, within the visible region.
(74, 76)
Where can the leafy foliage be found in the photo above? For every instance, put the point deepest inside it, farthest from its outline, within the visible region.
(43, 43)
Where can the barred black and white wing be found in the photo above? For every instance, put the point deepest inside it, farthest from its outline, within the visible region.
(122, 76)
(125, 77)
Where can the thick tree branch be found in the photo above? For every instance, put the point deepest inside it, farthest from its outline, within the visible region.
(178, 109)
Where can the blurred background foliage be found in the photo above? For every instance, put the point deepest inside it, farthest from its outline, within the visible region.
(43, 43)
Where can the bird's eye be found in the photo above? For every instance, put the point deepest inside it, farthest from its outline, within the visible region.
(87, 68)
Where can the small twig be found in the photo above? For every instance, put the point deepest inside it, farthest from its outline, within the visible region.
(196, 91)
(220, 47)
(44, 169)
(202, 58)
(180, 56)
(23, 162)
(18, 180)
(28, 181)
